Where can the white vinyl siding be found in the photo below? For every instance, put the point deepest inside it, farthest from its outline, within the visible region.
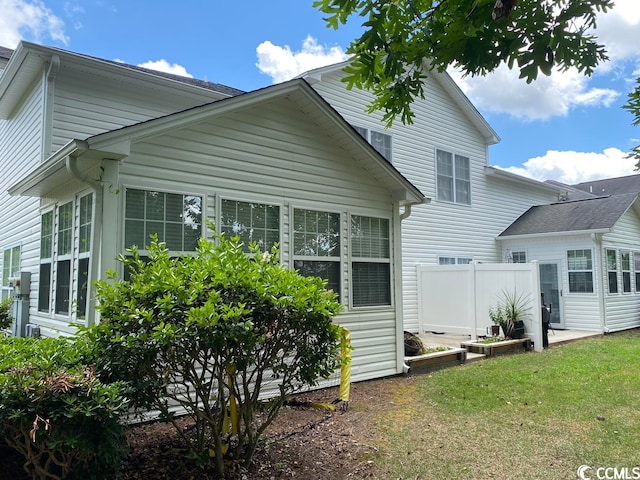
(273, 155)
(439, 227)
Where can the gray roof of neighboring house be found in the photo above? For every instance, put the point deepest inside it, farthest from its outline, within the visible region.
(611, 186)
(597, 213)
(572, 193)
(217, 87)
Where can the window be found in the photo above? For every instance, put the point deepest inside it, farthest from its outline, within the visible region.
(519, 257)
(10, 264)
(378, 140)
(580, 268)
(625, 264)
(636, 269)
(453, 178)
(370, 268)
(84, 248)
(46, 256)
(175, 218)
(252, 222)
(64, 235)
(612, 271)
(316, 245)
(454, 260)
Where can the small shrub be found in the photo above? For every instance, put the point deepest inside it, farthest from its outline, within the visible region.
(57, 413)
(5, 313)
(211, 333)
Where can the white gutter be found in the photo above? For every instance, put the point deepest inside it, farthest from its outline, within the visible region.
(599, 231)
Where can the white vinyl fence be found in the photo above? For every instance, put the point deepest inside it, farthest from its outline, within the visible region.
(457, 298)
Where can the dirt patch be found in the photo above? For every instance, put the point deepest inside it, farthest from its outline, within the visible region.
(302, 443)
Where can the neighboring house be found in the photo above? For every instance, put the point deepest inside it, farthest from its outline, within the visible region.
(98, 155)
(611, 186)
(445, 154)
(589, 255)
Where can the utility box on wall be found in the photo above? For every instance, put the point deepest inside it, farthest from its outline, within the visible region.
(21, 284)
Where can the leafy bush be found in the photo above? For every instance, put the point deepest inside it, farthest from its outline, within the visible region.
(210, 333)
(55, 411)
(5, 313)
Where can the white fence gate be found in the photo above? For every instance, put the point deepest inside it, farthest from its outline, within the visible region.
(457, 298)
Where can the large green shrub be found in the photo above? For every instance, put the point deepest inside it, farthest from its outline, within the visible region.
(5, 313)
(214, 334)
(57, 413)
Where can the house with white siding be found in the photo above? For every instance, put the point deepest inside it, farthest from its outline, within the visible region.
(589, 256)
(98, 155)
(445, 154)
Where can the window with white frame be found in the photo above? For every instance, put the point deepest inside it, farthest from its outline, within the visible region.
(175, 218)
(454, 260)
(46, 260)
(10, 264)
(370, 261)
(65, 251)
(625, 267)
(453, 178)
(580, 267)
(612, 271)
(378, 140)
(316, 245)
(252, 222)
(519, 257)
(636, 269)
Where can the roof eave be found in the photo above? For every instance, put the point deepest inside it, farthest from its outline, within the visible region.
(513, 177)
(553, 234)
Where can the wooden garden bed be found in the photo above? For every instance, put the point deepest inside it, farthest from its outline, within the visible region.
(497, 348)
(429, 362)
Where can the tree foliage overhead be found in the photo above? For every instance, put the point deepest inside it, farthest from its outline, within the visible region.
(404, 39)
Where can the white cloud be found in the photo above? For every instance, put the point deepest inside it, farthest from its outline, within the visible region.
(282, 64)
(619, 30)
(549, 96)
(29, 20)
(164, 66)
(575, 167)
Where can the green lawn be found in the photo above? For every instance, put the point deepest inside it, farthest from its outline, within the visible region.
(524, 416)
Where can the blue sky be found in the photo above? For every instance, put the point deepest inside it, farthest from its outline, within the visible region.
(565, 127)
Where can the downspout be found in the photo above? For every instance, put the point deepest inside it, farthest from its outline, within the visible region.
(597, 238)
(96, 187)
(47, 114)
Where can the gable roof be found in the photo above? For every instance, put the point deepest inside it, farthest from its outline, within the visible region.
(445, 80)
(592, 215)
(611, 186)
(115, 144)
(29, 60)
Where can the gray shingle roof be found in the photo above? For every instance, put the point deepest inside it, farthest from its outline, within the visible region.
(611, 186)
(5, 53)
(573, 216)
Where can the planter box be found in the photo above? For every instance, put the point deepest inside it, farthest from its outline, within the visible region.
(429, 362)
(498, 348)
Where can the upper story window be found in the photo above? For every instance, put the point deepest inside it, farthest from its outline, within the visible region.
(371, 266)
(454, 260)
(316, 245)
(378, 140)
(252, 222)
(10, 264)
(453, 178)
(175, 218)
(580, 266)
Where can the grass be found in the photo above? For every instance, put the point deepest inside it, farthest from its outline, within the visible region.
(532, 415)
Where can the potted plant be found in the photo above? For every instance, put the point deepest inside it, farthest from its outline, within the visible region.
(497, 317)
(515, 308)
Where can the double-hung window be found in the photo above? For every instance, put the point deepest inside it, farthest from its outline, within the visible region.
(85, 215)
(580, 267)
(519, 257)
(10, 264)
(612, 271)
(636, 269)
(252, 222)
(46, 260)
(370, 261)
(175, 218)
(316, 245)
(625, 266)
(453, 178)
(382, 142)
(64, 236)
